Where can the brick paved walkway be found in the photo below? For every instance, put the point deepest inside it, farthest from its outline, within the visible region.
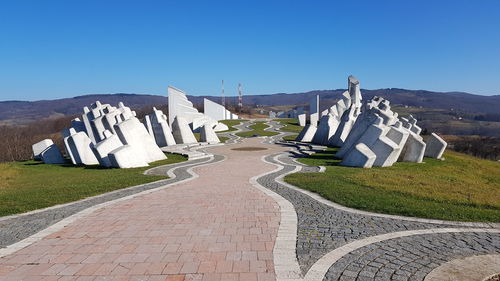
(215, 227)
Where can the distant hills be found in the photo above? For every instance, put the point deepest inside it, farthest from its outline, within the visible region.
(19, 112)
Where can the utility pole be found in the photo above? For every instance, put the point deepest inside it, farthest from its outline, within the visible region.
(240, 97)
(222, 95)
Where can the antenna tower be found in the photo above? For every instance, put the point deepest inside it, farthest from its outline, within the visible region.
(240, 96)
(222, 95)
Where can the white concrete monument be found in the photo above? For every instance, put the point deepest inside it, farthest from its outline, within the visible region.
(159, 128)
(131, 132)
(39, 147)
(435, 146)
(302, 119)
(182, 132)
(314, 110)
(207, 134)
(52, 155)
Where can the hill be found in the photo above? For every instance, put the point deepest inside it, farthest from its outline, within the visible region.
(21, 112)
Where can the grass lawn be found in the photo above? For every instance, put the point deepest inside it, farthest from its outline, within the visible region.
(30, 185)
(290, 137)
(462, 187)
(231, 124)
(291, 125)
(257, 129)
(221, 138)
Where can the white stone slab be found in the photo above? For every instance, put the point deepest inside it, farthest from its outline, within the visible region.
(435, 146)
(182, 132)
(106, 146)
(52, 155)
(307, 134)
(207, 134)
(314, 110)
(80, 148)
(133, 133)
(327, 127)
(360, 156)
(39, 147)
(126, 157)
(302, 119)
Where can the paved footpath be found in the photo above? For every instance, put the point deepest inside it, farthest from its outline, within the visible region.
(215, 227)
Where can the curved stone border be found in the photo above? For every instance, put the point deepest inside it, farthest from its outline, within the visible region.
(321, 199)
(318, 271)
(286, 265)
(66, 221)
(475, 268)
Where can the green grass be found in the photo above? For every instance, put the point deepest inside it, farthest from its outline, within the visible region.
(291, 125)
(462, 187)
(290, 137)
(257, 129)
(30, 185)
(221, 138)
(231, 124)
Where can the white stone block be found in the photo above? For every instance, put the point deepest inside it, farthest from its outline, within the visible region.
(220, 127)
(161, 131)
(302, 119)
(52, 155)
(80, 149)
(327, 127)
(207, 134)
(182, 132)
(314, 110)
(360, 156)
(414, 149)
(133, 133)
(307, 134)
(435, 146)
(345, 126)
(126, 157)
(214, 110)
(103, 148)
(39, 147)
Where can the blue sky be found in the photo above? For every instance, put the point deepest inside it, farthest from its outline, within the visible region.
(55, 49)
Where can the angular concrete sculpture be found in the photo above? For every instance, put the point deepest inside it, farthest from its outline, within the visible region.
(106, 146)
(361, 156)
(302, 119)
(39, 147)
(131, 132)
(314, 111)
(207, 134)
(52, 155)
(435, 146)
(216, 111)
(326, 129)
(126, 157)
(182, 132)
(220, 127)
(179, 105)
(80, 149)
(307, 134)
(159, 128)
(414, 149)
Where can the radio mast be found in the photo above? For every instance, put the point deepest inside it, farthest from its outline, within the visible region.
(240, 96)
(222, 95)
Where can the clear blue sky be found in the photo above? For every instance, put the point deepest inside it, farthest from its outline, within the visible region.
(54, 49)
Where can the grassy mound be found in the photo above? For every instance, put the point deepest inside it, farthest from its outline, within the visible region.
(462, 187)
(30, 185)
(257, 129)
